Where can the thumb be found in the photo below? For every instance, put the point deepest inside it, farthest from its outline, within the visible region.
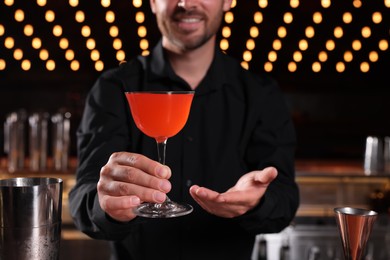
(267, 175)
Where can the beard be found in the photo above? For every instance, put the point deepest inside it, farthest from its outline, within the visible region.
(190, 44)
(187, 40)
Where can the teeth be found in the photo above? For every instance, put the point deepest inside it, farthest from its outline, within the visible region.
(190, 20)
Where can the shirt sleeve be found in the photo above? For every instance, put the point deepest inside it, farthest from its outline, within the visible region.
(102, 131)
(272, 143)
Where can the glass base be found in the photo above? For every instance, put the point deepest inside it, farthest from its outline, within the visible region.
(168, 209)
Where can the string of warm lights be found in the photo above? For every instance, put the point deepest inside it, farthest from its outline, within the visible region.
(250, 46)
(226, 31)
(310, 31)
(141, 30)
(293, 40)
(57, 31)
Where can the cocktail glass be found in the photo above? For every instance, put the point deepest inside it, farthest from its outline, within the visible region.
(161, 115)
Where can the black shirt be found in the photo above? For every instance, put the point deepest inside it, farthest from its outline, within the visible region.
(238, 122)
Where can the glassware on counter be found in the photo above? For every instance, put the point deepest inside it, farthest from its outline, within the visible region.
(386, 152)
(61, 140)
(38, 138)
(28, 143)
(373, 156)
(14, 140)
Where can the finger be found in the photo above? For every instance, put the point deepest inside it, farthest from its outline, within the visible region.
(120, 189)
(266, 176)
(141, 162)
(203, 203)
(206, 194)
(194, 195)
(131, 175)
(110, 203)
(119, 208)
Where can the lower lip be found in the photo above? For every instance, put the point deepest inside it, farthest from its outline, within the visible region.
(189, 26)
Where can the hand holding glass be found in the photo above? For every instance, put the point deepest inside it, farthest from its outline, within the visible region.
(160, 115)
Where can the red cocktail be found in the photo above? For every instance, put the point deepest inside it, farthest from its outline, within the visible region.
(161, 115)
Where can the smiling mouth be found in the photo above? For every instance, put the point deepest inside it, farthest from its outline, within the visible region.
(188, 24)
(190, 20)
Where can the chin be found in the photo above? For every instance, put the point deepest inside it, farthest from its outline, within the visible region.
(193, 44)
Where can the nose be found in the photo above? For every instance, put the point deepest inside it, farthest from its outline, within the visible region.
(186, 4)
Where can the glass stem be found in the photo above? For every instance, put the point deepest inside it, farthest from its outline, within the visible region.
(161, 151)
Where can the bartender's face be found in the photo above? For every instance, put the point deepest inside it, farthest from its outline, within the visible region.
(188, 24)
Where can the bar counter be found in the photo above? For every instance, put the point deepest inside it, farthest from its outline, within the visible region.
(324, 185)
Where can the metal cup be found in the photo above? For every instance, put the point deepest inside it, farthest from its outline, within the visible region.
(355, 227)
(373, 157)
(30, 218)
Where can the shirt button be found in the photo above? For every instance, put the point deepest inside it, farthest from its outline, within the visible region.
(189, 183)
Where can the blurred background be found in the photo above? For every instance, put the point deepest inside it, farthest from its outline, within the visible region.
(331, 59)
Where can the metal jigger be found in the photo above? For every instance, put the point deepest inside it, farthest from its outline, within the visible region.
(355, 227)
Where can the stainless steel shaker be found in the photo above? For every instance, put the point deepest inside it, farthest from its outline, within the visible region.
(30, 218)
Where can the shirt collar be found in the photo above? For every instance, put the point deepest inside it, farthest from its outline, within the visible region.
(160, 69)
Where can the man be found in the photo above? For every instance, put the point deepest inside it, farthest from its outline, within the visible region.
(233, 161)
